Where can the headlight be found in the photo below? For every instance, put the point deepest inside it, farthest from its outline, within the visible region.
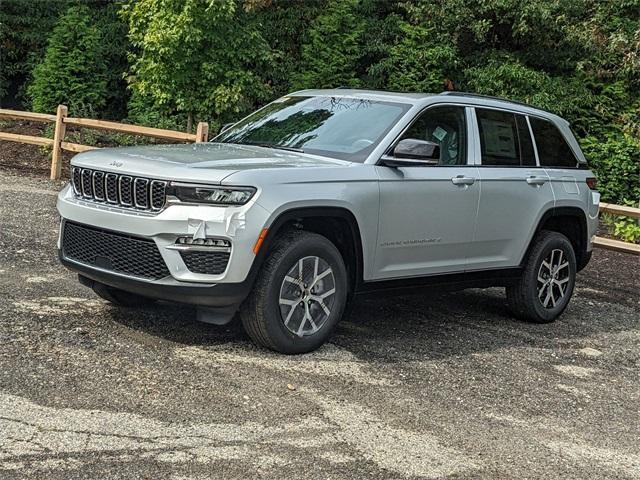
(211, 195)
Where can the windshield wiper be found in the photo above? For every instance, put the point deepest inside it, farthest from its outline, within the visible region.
(274, 146)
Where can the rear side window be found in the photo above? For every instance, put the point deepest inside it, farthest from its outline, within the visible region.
(504, 139)
(553, 149)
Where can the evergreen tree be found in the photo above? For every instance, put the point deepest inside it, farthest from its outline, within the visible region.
(73, 70)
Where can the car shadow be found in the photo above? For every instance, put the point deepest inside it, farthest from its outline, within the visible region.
(404, 328)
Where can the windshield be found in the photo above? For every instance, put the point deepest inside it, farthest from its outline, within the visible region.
(344, 128)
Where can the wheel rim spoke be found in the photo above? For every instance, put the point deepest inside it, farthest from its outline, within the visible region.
(295, 281)
(307, 295)
(553, 278)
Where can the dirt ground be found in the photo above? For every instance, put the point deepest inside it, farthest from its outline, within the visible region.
(439, 386)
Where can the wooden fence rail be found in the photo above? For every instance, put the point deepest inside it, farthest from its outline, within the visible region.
(618, 245)
(61, 120)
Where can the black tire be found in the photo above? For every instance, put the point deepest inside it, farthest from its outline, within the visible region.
(120, 297)
(261, 313)
(527, 297)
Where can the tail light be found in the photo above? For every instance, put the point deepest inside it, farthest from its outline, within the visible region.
(592, 183)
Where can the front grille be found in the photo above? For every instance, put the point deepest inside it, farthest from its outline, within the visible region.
(134, 256)
(121, 190)
(209, 263)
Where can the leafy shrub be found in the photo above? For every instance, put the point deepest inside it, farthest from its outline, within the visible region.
(627, 229)
(73, 70)
(196, 57)
(616, 160)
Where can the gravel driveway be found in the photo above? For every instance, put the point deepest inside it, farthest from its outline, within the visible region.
(446, 385)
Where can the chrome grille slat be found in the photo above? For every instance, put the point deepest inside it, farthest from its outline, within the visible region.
(158, 192)
(141, 193)
(98, 185)
(87, 183)
(76, 180)
(111, 187)
(125, 191)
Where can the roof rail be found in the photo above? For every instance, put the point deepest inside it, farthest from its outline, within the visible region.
(490, 97)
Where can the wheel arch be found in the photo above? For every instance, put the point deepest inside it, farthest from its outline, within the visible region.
(327, 221)
(571, 222)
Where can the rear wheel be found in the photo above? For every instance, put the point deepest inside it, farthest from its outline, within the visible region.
(299, 295)
(120, 297)
(548, 279)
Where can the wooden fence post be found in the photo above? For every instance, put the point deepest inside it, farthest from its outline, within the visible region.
(202, 132)
(58, 138)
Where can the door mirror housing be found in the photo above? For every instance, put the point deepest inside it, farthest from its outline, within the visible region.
(412, 152)
(415, 149)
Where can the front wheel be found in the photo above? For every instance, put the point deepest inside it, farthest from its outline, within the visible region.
(299, 295)
(547, 282)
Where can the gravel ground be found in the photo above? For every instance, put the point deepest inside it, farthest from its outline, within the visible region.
(441, 386)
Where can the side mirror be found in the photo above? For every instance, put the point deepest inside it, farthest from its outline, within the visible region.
(417, 149)
(412, 152)
(225, 127)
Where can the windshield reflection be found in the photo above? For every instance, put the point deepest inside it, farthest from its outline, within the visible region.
(339, 127)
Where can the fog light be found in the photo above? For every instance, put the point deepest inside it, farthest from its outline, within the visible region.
(205, 242)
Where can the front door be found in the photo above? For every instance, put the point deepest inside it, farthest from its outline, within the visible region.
(427, 213)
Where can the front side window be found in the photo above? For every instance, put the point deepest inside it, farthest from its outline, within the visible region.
(344, 128)
(445, 126)
(504, 139)
(553, 149)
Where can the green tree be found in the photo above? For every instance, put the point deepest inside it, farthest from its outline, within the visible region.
(24, 28)
(73, 70)
(196, 57)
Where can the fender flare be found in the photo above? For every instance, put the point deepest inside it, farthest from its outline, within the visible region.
(575, 212)
(299, 213)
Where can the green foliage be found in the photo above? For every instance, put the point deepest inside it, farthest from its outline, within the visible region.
(24, 26)
(333, 48)
(113, 50)
(73, 71)
(627, 229)
(616, 160)
(196, 56)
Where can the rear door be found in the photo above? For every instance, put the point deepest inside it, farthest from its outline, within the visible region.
(514, 189)
(427, 213)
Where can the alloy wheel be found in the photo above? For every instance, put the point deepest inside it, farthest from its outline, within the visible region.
(554, 275)
(307, 296)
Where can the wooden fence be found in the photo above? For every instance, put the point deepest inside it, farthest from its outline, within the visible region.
(58, 144)
(618, 245)
(61, 120)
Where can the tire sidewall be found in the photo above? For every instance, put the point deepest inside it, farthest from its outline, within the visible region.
(278, 332)
(560, 242)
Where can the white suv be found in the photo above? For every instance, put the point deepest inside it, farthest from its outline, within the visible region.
(326, 194)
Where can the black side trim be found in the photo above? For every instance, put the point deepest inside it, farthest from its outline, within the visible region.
(301, 213)
(582, 256)
(455, 281)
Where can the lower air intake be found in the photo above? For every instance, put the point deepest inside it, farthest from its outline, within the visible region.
(116, 252)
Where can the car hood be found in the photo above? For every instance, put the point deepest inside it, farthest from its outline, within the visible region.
(198, 162)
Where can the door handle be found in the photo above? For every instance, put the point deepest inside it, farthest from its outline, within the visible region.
(533, 180)
(462, 180)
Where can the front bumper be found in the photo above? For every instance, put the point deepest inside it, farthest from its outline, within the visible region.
(240, 226)
(217, 295)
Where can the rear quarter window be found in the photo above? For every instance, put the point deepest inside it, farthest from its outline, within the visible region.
(553, 149)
